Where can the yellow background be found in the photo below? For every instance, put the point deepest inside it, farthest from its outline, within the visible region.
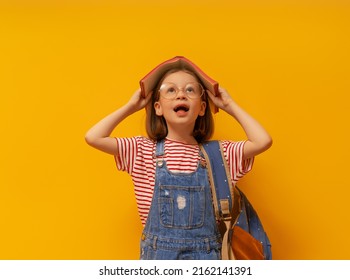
(66, 64)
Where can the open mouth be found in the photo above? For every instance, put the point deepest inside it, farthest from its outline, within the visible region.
(181, 108)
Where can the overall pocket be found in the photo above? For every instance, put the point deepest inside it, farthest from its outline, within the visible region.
(181, 206)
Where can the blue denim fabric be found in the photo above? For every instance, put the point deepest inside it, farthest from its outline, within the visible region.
(248, 218)
(181, 222)
(250, 222)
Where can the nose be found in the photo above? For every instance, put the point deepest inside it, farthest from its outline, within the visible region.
(181, 94)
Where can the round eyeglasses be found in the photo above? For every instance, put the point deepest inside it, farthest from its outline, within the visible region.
(192, 90)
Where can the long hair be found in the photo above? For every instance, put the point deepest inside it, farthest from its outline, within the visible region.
(156, 126)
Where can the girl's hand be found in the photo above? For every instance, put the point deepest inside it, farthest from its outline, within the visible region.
(137, 101)
(222, 100)
(258, 138)
(99, 135)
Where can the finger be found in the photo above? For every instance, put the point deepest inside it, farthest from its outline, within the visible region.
(210, 93)
(221, 89)
(138, 92)
(149, 96)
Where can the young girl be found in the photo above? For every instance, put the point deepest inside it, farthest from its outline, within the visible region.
(168, 169)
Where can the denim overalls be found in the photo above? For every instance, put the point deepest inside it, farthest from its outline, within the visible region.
(181, 223)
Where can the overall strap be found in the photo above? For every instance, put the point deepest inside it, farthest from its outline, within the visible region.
(160, 148)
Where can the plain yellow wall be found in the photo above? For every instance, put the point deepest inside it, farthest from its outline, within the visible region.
(65, 66)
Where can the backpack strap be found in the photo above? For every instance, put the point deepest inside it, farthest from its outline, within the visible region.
(222, 191)
(219, 182)
(232, 208)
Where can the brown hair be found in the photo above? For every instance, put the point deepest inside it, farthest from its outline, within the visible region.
(156, 126)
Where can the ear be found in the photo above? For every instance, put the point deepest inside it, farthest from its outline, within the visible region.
(158, 108)
(203, 107)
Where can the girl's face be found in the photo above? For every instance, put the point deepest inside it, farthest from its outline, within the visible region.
(180, 101)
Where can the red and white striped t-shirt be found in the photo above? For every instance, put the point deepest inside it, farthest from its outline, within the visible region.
(136, 156)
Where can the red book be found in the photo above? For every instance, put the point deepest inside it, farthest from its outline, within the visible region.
(148, 82)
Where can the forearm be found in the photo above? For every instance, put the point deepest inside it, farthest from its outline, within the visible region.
(99, 135)
(105, 127)
(259, 139)
(254, 130)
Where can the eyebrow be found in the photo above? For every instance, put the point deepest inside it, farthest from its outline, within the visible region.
(186, 83)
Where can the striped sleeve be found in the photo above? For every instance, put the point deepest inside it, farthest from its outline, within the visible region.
(234, 155)
(135, 156)
(127, 149)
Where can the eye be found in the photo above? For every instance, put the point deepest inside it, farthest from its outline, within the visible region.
(190, 89)
(171, 90)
